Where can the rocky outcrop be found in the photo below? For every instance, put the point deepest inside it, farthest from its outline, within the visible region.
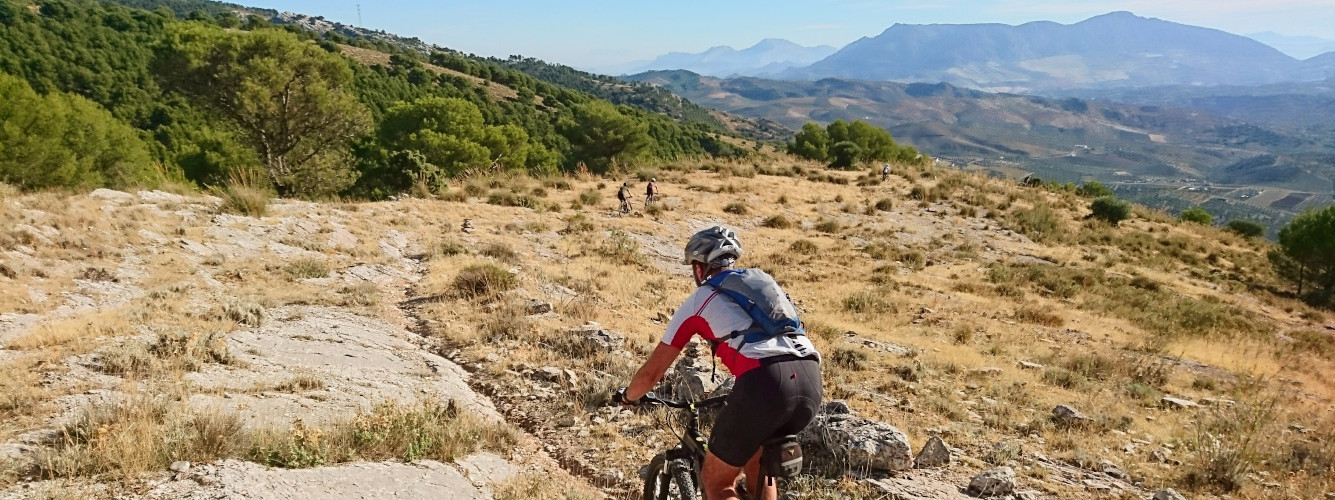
(859, 443)
(995, 482)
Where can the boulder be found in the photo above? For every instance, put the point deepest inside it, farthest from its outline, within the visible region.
(859, 442)
(1169, 494)
(996, 482)
(1066, 415)
(935, 453)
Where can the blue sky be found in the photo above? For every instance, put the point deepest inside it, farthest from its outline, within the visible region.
(602, 33)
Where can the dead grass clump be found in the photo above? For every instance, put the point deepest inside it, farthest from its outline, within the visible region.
(737, 208)
(446, 248)
(507, 322)
(1041, 223)
(501, 252)
(778, 222)
(426, 430)
(1226, 446)
(307, 268)
(804, 247)
(142, 433)
(884, 204)
(364, 294)
(188, 351)
(1038, 315)
(484, 280)
(867, 302)
(621, 248)
(243, 195)
(830, 226)
(851, 359)
(299, 383)
(243, 312)
(539, 486)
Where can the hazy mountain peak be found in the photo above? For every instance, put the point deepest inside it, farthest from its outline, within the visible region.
(767, 57)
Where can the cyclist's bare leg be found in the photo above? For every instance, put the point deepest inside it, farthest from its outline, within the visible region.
(770, 492)
(718, 479)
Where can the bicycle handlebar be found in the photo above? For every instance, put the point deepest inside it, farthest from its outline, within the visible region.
(651, 398)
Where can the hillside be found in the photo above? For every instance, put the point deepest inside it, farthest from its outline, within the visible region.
(1166, 152)
(946, 304)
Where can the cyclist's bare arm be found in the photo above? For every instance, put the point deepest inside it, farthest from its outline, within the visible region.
(652, 371)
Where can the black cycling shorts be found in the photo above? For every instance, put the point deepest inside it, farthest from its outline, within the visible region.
(773, 400)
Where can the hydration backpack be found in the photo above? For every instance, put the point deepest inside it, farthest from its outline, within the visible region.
(772, 314)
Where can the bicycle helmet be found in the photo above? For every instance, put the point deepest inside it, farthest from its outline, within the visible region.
(714, 247)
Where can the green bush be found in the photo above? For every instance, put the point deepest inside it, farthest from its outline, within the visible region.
(1093, 189)
(590, 197)
(1246, 228)
(1111, 210)
(1197, 215)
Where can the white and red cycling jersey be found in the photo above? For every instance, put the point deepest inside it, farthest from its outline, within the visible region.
(712, 315)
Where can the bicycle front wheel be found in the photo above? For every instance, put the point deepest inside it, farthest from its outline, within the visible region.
(664, 480)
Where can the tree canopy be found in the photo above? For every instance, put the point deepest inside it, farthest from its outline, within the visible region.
(1306, 254)
(864, 143)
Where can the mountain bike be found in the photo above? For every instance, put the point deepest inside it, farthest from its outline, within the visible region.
(675, 473)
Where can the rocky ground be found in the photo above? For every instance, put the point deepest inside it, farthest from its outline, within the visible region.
(310, 319)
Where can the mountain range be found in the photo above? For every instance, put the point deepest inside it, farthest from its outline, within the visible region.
(1115, 50)
(769, 57)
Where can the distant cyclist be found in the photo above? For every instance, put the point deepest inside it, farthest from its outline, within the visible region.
(778, 387)
(885, 172)
(651, 192)
(624, 196)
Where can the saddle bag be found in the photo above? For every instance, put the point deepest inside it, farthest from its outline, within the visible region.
(782, 458)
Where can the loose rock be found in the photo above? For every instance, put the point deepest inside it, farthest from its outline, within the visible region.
(996, 482)
(180, 466)
(934, 453)
(1069, 416)
(1173, 403)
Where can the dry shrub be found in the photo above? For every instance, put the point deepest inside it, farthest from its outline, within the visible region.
(307, 268)
(829, 226)
(429, 429)
(851, 359)
(500, 251)
(363, 294)
(484, 280)
(737, 208)
(243, 194)
(778, 222)
(539, 486)
(446, 248)
(866, 302)
(1035, 314)
(1227, 445)
(804, 247)
(139, 434)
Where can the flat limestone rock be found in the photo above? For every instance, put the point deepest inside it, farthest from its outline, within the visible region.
(917, 488)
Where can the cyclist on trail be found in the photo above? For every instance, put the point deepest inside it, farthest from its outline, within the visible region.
(778, 386)
(885, 172)
(651, 192)
(624, 195)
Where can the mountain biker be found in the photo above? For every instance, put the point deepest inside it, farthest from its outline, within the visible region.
(624, 195)
(651, 191)
(885, 172)
(778, 386)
